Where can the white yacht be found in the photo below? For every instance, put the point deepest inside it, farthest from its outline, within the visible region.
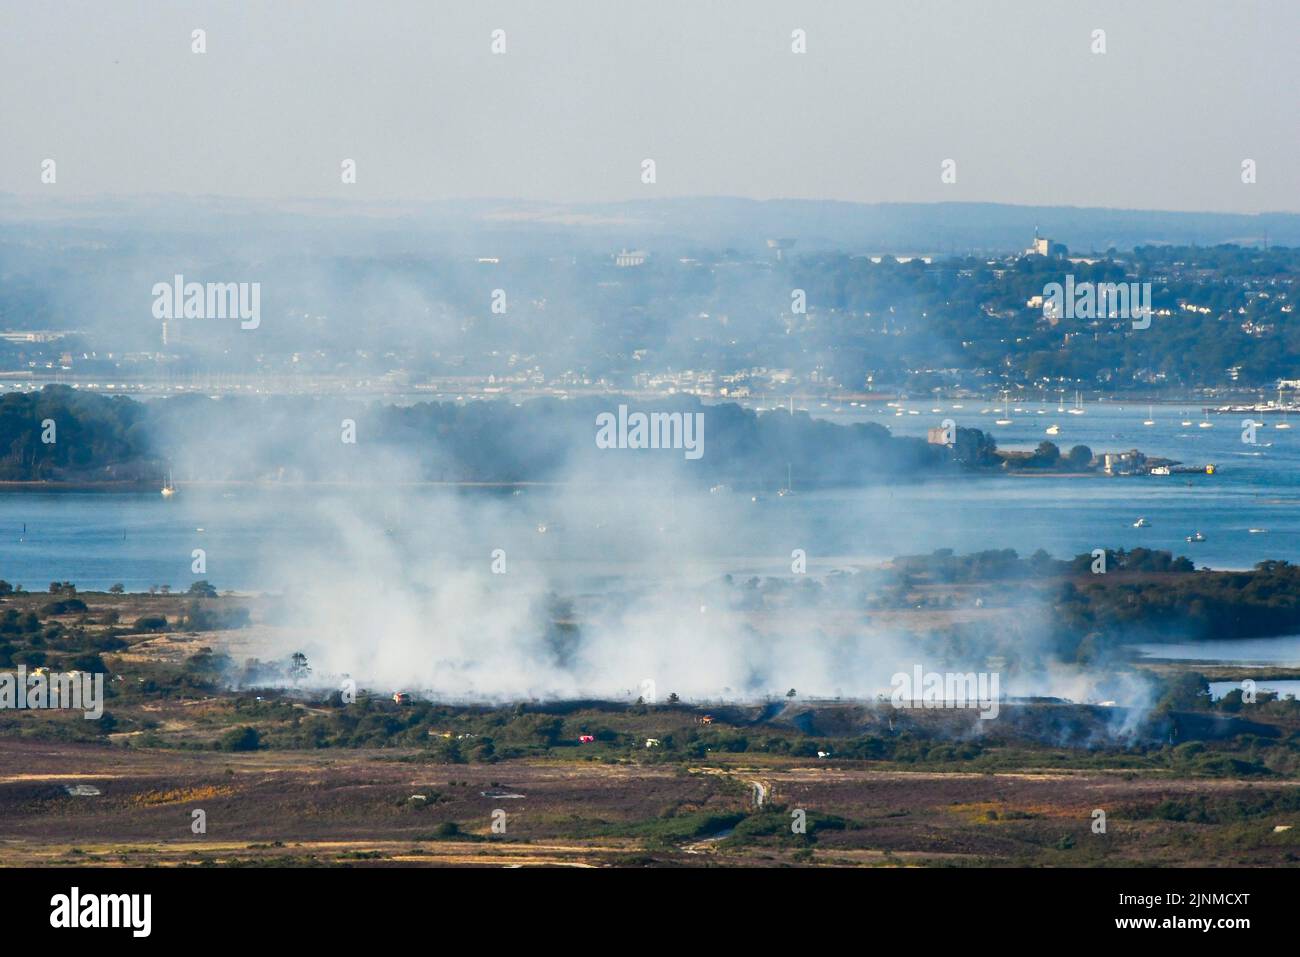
(1004, 420)
(1284, 424)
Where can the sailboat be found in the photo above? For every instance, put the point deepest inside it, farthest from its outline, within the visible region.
(1060, 403)
(1004, 420)
(1078, 403)
(1205, 422)
(1284, 424)
(789, 482)
(168, 489)
(1150, 419)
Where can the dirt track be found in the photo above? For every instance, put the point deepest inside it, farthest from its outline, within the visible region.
(355, 808)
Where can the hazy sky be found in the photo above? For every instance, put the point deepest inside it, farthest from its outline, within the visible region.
(710, 90)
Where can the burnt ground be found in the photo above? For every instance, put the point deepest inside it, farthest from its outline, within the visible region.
(356, 808)
(333, 785)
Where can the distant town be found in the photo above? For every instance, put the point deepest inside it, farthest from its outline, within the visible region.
(774, 325)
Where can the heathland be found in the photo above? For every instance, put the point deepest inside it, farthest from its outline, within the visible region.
(289, 770)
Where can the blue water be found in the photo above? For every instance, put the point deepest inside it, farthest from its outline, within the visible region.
(1284, 689)
(251, 534)
(1283, 651)
(1255, 485)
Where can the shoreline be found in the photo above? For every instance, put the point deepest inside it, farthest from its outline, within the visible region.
(45, 485)
(20, 485)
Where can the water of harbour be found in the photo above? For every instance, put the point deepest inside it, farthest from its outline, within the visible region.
(1248, 511)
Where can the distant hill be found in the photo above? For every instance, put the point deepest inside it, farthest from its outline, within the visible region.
(924, 228)
(674, 223)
